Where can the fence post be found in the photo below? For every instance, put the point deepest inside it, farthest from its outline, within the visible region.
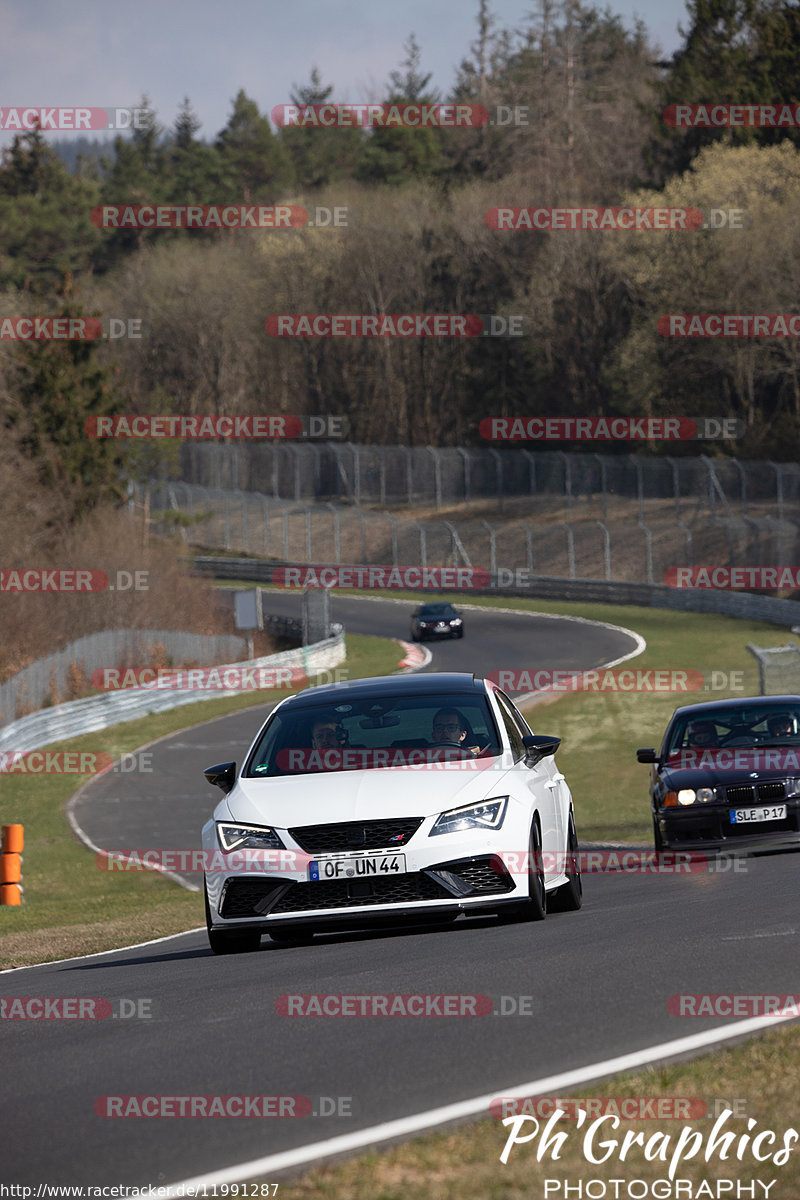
(649, 537)
(570, 546)
(492, 548)
(337, 533)
(500, 480)
(606, 548)
(602, 464)
(465, 456)
(393, 519)
(437, 474)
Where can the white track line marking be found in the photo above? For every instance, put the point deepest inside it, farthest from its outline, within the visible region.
(424, 1121)
(54, 962)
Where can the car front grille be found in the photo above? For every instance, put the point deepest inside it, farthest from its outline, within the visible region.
(248, 897)
(356, 835)
(477, 876)
(775, 789)
(740, 795)
(341, 893)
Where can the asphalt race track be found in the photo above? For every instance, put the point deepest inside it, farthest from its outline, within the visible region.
(592, 984)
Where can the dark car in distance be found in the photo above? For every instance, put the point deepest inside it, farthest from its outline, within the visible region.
(436, 620)
(728, 775)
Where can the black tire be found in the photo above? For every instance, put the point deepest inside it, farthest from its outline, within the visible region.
(460, 633)
(569, 897)
(414, 637)
(658, 841)
(243, 941)
(535, 907)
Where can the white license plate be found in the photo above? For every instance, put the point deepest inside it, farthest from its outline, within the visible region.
(357, 868)
(748, 816)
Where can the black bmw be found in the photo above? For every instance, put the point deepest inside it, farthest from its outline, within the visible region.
(728, 774)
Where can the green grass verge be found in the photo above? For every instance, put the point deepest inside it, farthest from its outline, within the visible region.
(72, 907)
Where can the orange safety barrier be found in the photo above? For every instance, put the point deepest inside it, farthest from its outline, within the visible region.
(11, 865)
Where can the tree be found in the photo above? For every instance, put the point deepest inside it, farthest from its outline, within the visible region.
(395, 155)
(54, 387)
(753, 269)
(45, 229)
(734, 52)
(319, 154)
(255, 165)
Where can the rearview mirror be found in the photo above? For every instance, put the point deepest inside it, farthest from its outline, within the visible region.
(222, 776)
(539, 746)
(646, 756)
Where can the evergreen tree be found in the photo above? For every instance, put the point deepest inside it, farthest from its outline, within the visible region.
(45, 226)
(54, 388)
(393, 155)
(254, 163)
(319, 154)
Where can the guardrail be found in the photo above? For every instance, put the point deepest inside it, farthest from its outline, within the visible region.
(742, 605)
(78, 717)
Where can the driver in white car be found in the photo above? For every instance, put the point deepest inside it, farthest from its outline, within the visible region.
(449, 728)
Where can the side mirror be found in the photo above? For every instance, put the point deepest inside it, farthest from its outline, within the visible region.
(222, 776)
(539, 746)
(646, 756)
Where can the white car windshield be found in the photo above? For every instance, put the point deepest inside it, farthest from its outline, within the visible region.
(380, 732)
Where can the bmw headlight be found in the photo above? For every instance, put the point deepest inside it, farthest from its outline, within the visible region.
(689, 795)
(489, 814)
(247, 837)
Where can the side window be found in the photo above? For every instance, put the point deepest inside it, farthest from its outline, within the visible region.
(512, 729)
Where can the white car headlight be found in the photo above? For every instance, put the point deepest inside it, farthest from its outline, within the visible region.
(489, 814)
(687, 796)
(247, 837)
(706, 794)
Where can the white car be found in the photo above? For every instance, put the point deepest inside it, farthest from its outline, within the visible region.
(399, 800)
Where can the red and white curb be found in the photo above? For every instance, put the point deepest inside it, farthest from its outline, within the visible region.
(416, 657)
